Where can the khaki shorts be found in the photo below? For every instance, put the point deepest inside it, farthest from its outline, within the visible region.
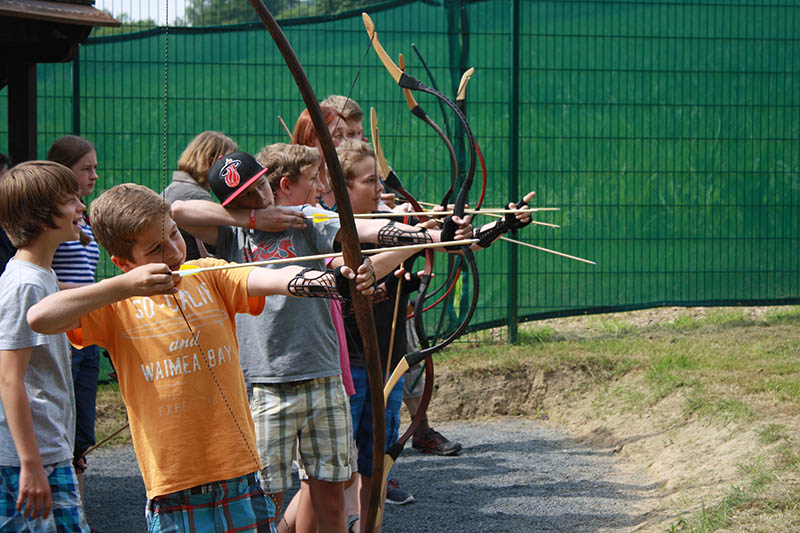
(309, 420)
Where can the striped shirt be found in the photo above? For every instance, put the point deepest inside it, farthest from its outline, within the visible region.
(75, 263)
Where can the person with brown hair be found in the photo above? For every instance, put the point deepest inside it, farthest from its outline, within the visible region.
(39, 209)
(352, 114)
(75, 264)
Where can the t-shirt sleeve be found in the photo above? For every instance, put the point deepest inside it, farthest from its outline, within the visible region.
(321, 233)
(15, 333)
(232, 283)
(96, 328)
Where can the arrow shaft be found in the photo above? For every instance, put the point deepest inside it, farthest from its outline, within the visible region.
(503, 238)
(284, 260)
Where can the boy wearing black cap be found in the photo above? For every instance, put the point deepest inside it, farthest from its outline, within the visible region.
(290, 353)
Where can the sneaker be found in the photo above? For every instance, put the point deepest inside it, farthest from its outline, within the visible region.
(435, 443)
(395, 495)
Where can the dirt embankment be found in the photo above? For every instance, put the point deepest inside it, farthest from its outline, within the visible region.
(694, 462)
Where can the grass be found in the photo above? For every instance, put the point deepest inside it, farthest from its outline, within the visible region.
(111, 414)
(734, 368)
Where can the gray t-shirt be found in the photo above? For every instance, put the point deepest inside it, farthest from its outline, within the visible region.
(48, 379)
(293, 339)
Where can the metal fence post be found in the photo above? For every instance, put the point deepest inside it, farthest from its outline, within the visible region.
(76, 94)
(513, 165)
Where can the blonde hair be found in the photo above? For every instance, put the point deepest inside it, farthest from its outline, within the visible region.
(351, 153)
(347, 107)
(203, 152)
(121, 213)
(286, 160)
(30, 196)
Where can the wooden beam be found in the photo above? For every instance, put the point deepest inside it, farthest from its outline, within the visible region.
(22, 111)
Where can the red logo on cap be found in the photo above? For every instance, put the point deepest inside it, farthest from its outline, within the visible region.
(230, 173)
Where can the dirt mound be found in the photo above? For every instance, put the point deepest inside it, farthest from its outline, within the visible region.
(692, 461)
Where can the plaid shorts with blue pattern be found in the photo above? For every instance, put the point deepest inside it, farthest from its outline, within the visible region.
(67, 512)
(237, 504)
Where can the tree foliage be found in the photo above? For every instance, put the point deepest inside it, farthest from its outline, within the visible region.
(227, 12)
(223, 12)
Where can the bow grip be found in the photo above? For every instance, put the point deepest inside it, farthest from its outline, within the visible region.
(449, 233)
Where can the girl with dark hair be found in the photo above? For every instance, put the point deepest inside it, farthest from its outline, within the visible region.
(75, 264)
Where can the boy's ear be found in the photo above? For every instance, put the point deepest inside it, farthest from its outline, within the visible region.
(122, 263)
(285, 184)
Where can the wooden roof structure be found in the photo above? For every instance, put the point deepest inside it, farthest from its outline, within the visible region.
(31, 32)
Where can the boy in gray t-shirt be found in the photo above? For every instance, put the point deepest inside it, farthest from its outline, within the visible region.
(40, 210)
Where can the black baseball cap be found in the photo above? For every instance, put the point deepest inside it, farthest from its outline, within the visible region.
(232, 174)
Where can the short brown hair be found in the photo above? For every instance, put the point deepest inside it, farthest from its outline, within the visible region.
(30, 195)
(286, 160)
(347, 107)
(121, 213)
(351, 153)
(203, 152)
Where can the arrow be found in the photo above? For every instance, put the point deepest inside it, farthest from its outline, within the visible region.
(504, 238)
(285, 127)
(190, 270)
(320, 217)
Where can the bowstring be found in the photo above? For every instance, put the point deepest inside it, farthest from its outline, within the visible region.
(163, 237)
(348, 99)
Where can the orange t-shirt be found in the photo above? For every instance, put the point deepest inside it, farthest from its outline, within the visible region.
(183, 432)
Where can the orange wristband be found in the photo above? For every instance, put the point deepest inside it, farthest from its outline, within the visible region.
(252, 219)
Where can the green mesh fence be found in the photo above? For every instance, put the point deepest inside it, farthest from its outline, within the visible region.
(667, 132)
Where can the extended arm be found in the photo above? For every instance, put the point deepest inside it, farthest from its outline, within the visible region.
(488, 233)
(201, 218)
(376, 231)
(304, 282)
(384, 263)
(34, 489)
(62, 310)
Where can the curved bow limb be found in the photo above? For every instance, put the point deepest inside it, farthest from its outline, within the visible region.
(396, 449)
(350, 246)
(420, 113)
(461, 94)
(390, 176)
(408, 82)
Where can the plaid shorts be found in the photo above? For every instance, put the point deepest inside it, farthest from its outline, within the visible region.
(67, 513)
(309, 420)
(237, 504)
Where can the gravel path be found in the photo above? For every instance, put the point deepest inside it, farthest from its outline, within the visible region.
(511, 476)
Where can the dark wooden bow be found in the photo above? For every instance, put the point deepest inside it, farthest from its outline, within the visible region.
(350, 248)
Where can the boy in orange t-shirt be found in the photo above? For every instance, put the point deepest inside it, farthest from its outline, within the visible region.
(173, 344)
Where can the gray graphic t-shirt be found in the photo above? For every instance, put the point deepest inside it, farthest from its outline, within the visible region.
(293, 339)
(48, 379)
